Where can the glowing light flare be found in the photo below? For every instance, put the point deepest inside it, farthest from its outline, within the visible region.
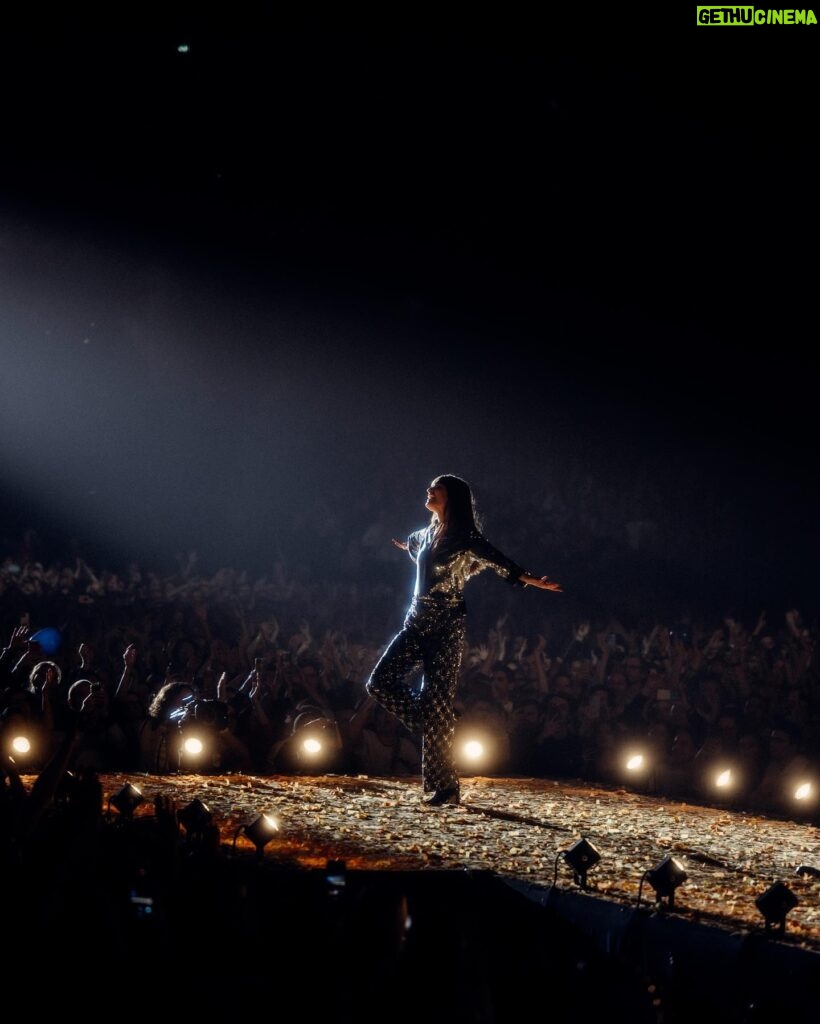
(20, 745)
(473, 750)
(804, 791)
(476, 749)
(193, 745)
(312, 746)
(724, 779)
(635, 762)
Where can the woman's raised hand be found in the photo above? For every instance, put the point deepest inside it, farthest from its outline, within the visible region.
(545, 583)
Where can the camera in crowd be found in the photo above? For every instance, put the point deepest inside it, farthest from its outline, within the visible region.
(208, 714)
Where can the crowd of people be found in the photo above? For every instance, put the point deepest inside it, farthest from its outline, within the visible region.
(107, 672)
(119, 665)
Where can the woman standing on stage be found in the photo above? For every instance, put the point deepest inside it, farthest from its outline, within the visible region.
(447, 553)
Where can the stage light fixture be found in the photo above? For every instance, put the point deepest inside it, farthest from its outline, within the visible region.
(260, 832)
(665, 878)
(195, 817)
(127, 800)
(581, 857)
(774, 904)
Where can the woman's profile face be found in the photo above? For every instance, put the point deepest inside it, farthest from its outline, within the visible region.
(437, 498)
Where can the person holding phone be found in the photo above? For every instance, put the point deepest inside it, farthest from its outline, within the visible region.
(447, 553)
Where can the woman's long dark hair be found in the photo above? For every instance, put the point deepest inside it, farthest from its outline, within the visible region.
(461, 516)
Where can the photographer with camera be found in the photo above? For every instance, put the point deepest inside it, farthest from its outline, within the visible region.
(159, 734)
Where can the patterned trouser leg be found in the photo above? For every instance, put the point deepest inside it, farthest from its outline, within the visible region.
(433, 640)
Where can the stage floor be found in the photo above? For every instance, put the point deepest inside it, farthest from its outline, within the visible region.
(517, 829)
(456, 913)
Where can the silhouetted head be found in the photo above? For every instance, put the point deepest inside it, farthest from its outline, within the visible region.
(172, 701)
(459, 511)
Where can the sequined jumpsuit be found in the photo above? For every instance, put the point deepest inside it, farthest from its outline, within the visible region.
(432, 638)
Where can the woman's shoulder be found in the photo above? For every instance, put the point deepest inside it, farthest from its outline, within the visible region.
(475, 539)
(418, 537)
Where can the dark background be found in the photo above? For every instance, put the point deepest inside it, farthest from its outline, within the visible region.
(296, 271)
